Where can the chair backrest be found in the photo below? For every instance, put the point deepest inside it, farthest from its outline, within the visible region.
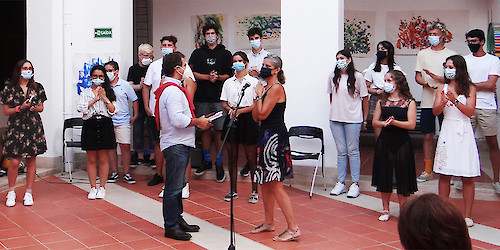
(307, 132)
(71, 123)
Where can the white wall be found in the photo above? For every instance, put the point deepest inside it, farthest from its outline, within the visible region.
(173, 17)
(57, 31)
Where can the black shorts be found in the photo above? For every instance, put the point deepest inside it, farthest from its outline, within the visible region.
(153, 129)
(98, 133)
(244, 131)
(428, 121)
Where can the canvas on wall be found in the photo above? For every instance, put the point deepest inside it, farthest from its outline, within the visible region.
(270, 25)
(406, 30)
(358, 33)
(198, 21)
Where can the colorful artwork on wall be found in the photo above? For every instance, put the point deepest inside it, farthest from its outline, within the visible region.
(493, 39)
(198, 21)
(406, 30)
(83, 65)
(413, 34)
(270, 25)
(358, 30)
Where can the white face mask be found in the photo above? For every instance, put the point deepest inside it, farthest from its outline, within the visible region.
(187, 74)
(255, 43)
(342, 64)
(26, 74)
(111, 75)
(146, 61)
(97, 81)
(211, 39)
(450, 73)
(389, 87)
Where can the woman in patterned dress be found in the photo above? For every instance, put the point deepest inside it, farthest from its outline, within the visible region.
(273, 149)
(22, 100)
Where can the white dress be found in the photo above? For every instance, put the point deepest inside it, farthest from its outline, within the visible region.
(456, 150)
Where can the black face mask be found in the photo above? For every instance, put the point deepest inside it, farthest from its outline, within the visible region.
(265, 72)
(474, 47)
(381, 55)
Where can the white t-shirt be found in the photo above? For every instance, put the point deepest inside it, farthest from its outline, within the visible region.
(256, 59)
(431, 60)
(153, 79)
(377, 78)
(231, 91)
(344, 107)
(480, 68)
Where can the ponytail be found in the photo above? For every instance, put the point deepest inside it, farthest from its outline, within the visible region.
(281, 77)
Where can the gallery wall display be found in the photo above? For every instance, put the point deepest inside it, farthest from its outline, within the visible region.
(198, 21)
(269, 23)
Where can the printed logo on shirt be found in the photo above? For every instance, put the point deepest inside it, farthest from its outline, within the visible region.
(211, 61)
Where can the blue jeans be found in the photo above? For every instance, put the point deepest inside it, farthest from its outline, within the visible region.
(346, 136)
(138, 132)
(176, 161)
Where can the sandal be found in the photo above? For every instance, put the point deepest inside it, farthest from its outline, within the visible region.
(263, 228)
(288, 235)
(385, 216)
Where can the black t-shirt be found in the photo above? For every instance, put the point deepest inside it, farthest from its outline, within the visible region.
(203, 61)
(135, 73)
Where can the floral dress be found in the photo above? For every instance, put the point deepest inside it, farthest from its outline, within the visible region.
(24, 136)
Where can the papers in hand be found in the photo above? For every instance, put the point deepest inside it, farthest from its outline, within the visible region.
(215, 116)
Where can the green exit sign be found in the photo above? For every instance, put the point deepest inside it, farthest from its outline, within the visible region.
(103, 32)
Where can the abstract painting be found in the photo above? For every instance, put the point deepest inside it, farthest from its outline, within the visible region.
(413, 34)
(270, 25)
(198, 21)
(83, 65)
(358, 30)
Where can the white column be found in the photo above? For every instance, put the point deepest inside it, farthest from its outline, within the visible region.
(312, 33)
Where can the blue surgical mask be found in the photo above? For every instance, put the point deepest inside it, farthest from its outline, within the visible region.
(450, 73)
(388, 87)
(166, 51)
(26, 74)
(111, 75)
(434, 40)
(97, 81)
(342, 64)
(255, 43)
(238, 66)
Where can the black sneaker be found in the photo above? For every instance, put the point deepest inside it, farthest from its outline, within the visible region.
(219, 170)
(156, 180)
(228, 196)
(205, 165)
(114, 176)
(152, 163)
(128, 178)
(245, 172)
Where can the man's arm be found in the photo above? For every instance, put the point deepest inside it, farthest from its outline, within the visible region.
(490, 85)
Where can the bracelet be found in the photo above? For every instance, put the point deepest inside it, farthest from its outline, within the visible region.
(108, 102)
(18, 109)
(257, 98)
(456, 101)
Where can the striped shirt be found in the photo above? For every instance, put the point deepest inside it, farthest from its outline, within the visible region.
(98, 108)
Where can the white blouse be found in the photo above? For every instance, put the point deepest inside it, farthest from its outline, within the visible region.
(231, 91)
(98, 108)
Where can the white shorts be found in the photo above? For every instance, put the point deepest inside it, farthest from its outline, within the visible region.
(122, 134)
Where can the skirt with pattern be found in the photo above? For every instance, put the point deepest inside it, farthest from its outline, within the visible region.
(274, 161)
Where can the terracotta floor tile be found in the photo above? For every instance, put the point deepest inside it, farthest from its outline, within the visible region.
(129, 234)
(33, 247)
(14, 232)
(144, 244)
(484, 245)
(357, 241)
(186, 246)
(20, 242)
(65, 245)
(116, 246)
(382, 236)
(96, 241)
(360, 229)
(53, 237)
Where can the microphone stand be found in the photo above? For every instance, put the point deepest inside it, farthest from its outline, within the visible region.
(219, 154)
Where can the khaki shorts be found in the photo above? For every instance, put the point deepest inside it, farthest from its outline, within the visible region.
(487, 120)
(122, 134)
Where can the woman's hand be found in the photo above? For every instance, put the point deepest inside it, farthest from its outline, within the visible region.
(26, 104)
(259, 89)
(389, 121)
(451, 96)
(101, 93)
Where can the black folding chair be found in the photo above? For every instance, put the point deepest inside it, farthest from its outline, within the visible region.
(308, 135)
(71, 123)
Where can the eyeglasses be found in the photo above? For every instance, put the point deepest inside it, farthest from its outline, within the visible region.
(472, 41)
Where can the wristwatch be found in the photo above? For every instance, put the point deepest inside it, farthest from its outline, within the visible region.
(456, 101)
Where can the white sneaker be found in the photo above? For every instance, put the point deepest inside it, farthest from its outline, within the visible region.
(385, 216)
(92, 193)
(338, 189)
(353, 191)
(162, 191)
(254, 198)
(424, 177)
(469, 222)
(459, 185)
(496, 187)
(28, 199)
(185, 191)
(101, 193)
(11, 199)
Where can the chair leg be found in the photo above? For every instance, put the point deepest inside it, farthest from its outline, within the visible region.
(314, 179)
(323, 172)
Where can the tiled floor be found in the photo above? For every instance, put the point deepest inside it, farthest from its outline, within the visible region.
(130, 217)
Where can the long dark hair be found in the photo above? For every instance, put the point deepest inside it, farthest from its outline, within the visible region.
(16, 74)
(401, 86)
(106, 85)
(429, 222)
(462, 77)
(277, 63)
(390, 56)
(351, 80)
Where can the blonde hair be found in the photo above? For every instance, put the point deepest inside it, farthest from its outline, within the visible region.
(145, 48)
